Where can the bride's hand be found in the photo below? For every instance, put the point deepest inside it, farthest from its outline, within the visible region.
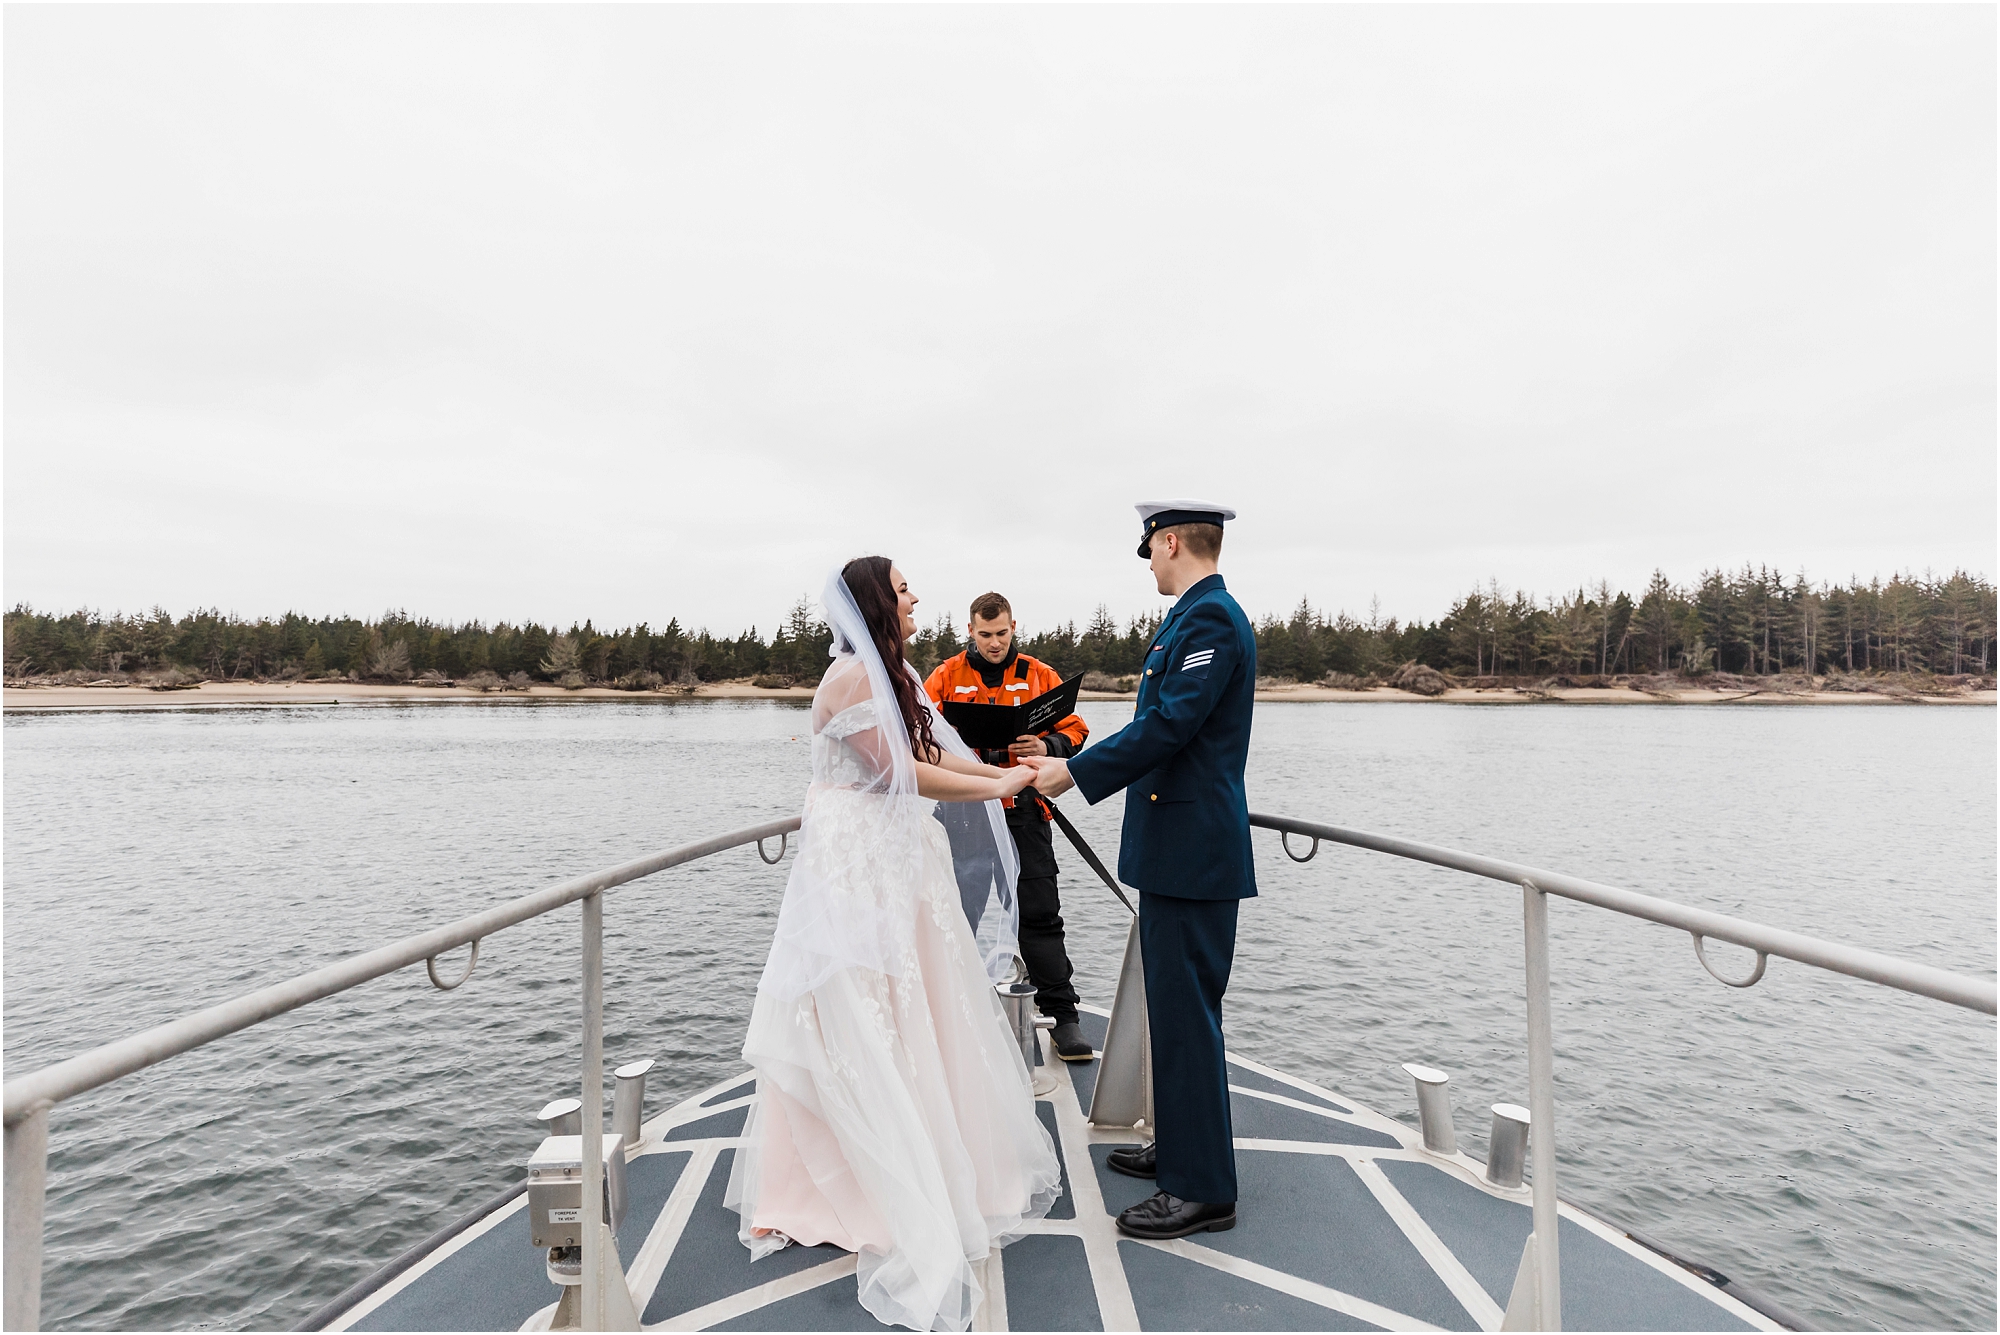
(1051, 774)
(1012, 781)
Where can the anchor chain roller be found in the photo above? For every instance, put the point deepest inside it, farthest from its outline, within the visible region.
(1755, 974)
(431, 968)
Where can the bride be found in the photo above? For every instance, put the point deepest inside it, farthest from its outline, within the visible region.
(896, 1117)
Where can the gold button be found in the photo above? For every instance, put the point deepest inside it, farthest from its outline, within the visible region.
(1155, 797)
(1149, 672)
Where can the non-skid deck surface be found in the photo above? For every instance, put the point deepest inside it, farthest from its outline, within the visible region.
(1345, 1224)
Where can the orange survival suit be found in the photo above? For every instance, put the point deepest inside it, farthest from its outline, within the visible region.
(1015, 679)
(969, 679)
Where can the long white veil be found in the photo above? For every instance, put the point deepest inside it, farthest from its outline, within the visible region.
(862, 745)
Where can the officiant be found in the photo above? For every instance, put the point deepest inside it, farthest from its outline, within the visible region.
(993, 671)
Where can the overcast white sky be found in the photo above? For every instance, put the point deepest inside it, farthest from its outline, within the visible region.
(632, 312)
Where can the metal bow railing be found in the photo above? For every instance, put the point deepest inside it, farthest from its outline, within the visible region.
(29, 1100)
(1541, 1308)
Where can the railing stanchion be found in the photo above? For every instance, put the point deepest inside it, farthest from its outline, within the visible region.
(590, 1229)
(27, 1168)
(1542, 1104)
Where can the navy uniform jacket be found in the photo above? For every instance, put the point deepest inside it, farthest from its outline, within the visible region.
(1180, 759)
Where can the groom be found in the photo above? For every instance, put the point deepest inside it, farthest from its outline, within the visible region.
(1186, 847)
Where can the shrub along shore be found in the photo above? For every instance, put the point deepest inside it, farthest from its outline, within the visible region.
(1750, 633)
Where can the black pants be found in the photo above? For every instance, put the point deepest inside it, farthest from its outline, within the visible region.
(1041, 914)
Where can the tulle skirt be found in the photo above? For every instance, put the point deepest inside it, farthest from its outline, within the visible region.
(895, 1116)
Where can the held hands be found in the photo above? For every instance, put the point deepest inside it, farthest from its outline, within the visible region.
(1051, 774)
(1012, 780)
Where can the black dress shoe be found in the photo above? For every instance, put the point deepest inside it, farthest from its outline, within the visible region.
(1132, 1160)
(1162, 1216)
(1069, 1042)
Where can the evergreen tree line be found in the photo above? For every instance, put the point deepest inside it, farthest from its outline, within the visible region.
(1749, 623)
(399, 647)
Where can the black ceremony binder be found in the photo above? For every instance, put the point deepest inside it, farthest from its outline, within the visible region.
(993, 727)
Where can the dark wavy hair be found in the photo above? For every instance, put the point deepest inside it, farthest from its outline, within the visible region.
(867, 578)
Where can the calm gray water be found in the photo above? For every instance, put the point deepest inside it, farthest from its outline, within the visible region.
(1827, 1141)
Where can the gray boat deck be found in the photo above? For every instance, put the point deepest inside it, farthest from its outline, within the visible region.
(1346, 1224)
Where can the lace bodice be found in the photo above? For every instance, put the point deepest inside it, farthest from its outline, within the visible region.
(864, 796)
(836, 762)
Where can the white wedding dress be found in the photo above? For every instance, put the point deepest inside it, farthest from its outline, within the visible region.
(896, 1118)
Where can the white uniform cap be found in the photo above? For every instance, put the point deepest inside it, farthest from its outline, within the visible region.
(1164, 514)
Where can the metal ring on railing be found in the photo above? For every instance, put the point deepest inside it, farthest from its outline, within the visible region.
(1755, 974)
(784, 838)
(1285, 839)
(431, 968)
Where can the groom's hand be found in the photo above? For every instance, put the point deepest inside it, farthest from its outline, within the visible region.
(1051, 775)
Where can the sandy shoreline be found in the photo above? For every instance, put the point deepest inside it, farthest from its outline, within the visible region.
(225, 693)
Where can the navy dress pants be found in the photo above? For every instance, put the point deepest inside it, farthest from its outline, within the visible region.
(1188, 945)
